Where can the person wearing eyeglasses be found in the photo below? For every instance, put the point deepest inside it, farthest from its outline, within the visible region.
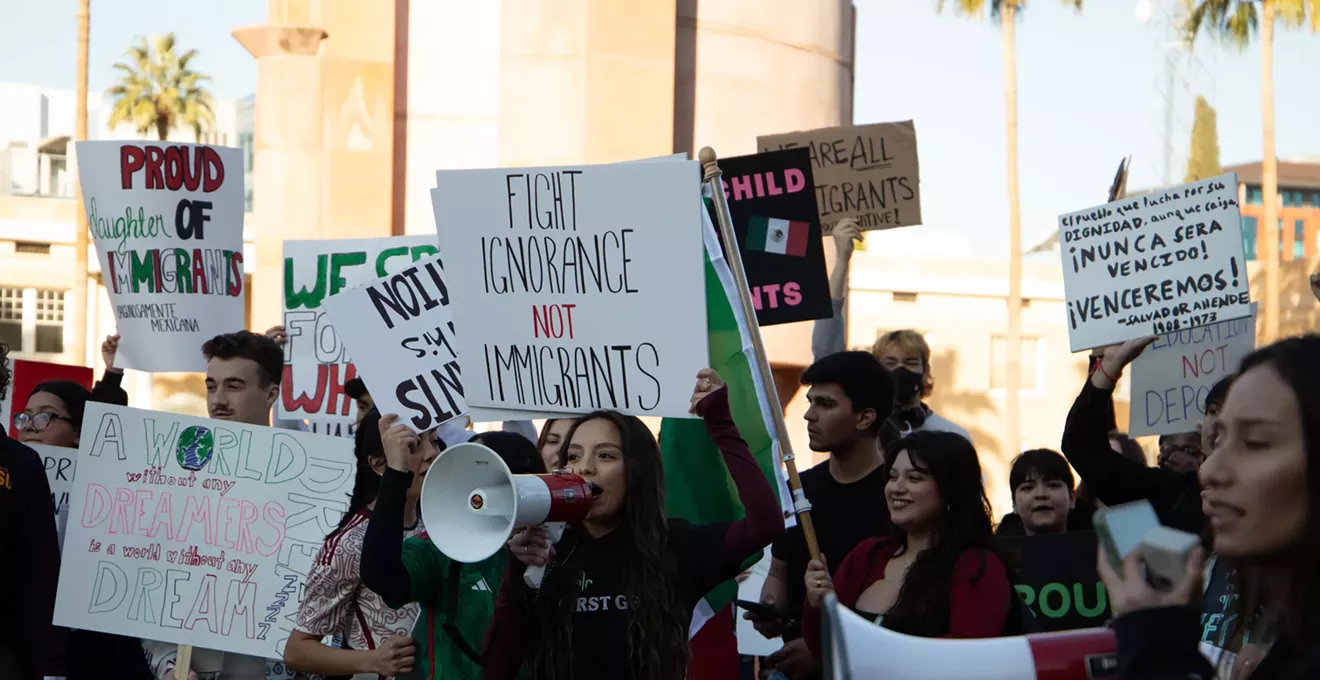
(1181, 452)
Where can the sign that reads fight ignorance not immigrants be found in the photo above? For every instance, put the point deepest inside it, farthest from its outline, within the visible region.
(316, 361)
(1153, 264)
(167, 221)
(402, 333)
(868, 172)
(196, 531)
(774, 215)
(577, 288)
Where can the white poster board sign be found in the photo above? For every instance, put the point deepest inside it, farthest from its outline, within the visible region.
(1157, 263)
(59, 463)
(401, 331)
(167, 221)
(577, 288)
(195, 531)
(1171, 379)
(316, 361)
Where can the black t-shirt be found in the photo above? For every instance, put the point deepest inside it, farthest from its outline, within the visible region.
(843, 516)
(592, 571)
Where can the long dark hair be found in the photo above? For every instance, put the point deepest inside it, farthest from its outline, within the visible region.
(366, 482)
(922, 607)
(658, 624)
(1296, 361)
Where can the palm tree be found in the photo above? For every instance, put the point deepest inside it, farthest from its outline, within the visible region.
(1006, 12)
(77, 311)
(157, 91)
(1234, 21)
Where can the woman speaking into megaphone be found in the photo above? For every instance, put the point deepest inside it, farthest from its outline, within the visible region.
(621, 585)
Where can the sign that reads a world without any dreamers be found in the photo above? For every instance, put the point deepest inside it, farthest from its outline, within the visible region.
(1155, 263)
(167, 221)
(576, 288)
(317, 362)
(196, 531)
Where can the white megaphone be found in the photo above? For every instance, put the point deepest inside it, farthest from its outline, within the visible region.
(471, 503)
(856, 649)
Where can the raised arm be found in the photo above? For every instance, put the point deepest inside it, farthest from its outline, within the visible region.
(382, 567)
(829, 336)
(109, 389)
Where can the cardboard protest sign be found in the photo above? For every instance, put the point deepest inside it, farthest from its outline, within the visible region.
(167, 221)
(576, 288)
(868, 172)
(1153, 264)
(316, 361)
(774, 216)
(1171, 379)
(28, 374)
(196, 531)
(401, 330)
(1056, 578)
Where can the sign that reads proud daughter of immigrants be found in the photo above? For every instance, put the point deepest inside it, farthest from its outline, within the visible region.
(167, 220)
(576, 288)
(196, 531)
(1154, 264)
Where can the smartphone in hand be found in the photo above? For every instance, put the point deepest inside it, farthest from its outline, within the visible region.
(759, 610)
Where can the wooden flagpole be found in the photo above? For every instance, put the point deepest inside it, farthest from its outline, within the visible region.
(714, 178)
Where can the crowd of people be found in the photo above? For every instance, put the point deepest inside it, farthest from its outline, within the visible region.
(902, 520)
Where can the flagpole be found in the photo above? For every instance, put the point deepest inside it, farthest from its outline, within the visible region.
(714, 177)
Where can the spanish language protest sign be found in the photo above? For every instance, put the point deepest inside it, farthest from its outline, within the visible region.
(774, 216)
(1155, 263)
(401, 331)
(59, 463)
(316, 361)
(195, 531)
(1171, 379)
(867, 172)
(576, 288)
(167, 221)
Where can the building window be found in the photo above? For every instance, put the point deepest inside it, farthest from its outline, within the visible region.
(1299, 240)
(50, 321)
(1030, 357)
(11, 318)
(1253, 196)
(1249, 237)
(904, 297)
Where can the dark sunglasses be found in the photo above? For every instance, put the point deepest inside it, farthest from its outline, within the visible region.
(37, 422)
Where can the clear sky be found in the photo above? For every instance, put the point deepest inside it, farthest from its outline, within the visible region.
(1088, 94)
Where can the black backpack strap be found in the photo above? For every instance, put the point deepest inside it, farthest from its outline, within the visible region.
(451, 609)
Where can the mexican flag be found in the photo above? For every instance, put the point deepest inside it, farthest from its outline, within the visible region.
(697, 484)
(778, 236)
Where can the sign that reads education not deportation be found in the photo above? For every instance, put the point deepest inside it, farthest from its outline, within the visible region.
(774, 215)
(316, 361)
(1172, 378)
(1153, 264)
(400, 329)
(576, 288)
(196, 531)
(167, 221)
(868, 172)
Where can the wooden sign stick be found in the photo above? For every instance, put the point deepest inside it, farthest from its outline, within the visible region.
(183, 662)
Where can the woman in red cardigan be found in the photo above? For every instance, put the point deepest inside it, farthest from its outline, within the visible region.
(939, 574)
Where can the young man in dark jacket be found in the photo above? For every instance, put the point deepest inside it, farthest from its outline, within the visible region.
(29, 551)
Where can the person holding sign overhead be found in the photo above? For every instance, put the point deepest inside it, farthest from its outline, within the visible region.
(620, 587)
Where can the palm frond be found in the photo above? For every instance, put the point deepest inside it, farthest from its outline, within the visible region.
(1232, 21)
(158, 90)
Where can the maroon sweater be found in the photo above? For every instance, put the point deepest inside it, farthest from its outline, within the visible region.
(588, 570)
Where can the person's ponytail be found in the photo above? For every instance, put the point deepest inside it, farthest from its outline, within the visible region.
(366, 482)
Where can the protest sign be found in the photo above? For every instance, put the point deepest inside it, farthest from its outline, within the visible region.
(774, 215)
(401, 331)
(316, 361)
(1155, 263)
(26, 375)
(196, 531)
(1171, 379)
(1057, 580)
(577, 288)
(867, 172)
(59, 463)
(167, 221)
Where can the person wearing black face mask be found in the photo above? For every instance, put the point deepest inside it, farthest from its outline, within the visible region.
(907, 356)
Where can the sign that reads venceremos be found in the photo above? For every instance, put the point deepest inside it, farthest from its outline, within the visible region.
(196, 531)
(577, 288)
(1153, 264)
(167, 221)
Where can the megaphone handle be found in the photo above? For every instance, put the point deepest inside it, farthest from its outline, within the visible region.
(535, 574)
